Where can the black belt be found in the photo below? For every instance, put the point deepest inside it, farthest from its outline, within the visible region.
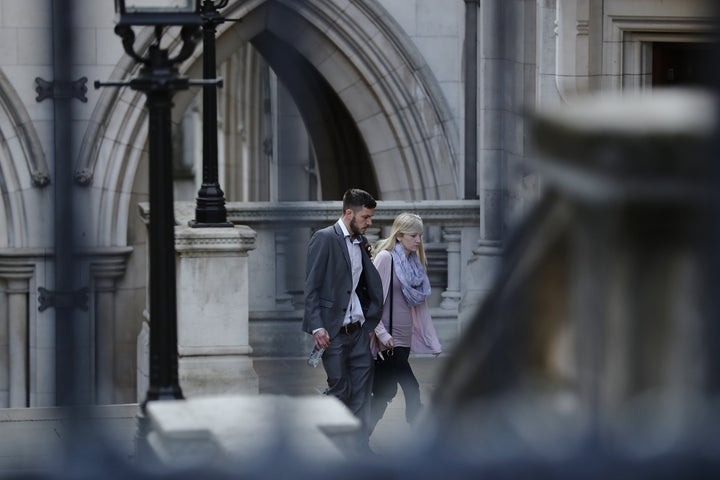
(350, 327)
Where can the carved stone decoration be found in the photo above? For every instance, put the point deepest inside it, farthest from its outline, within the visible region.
(40, 179)
(83, 176)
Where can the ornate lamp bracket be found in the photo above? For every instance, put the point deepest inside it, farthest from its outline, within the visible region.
(63, 299)
(57, 89)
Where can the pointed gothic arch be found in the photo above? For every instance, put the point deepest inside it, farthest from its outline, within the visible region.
(19, 147)
(361, 59)
(364, 68)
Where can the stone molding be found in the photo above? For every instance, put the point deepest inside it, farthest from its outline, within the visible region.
(628, 39)
(20, 264)
(21, 272)
(108, 263)
(455, 213)
(199, 241)
(446, 212)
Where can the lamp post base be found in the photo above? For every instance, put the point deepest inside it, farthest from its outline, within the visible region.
(210, 203)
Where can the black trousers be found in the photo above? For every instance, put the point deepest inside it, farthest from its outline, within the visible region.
(388, 374)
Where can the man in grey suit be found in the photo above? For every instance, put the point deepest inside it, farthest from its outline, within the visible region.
(343, 303)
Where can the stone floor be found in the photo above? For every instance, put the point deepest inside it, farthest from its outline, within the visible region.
(294, 377)
(34, 439)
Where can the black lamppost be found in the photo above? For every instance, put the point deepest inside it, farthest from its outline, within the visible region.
(159, 80)
(210, 202)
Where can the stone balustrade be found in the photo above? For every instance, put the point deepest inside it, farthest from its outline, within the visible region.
(277, 265)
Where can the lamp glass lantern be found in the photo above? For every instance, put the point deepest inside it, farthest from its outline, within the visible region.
(158, 12)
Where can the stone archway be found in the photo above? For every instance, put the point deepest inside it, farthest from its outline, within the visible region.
(373, 70)
(380, 79)
(375, 73)
(341, 151)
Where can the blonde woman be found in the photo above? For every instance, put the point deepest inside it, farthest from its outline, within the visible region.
(406, 324)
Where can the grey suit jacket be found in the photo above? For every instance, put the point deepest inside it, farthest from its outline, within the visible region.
(328, 284)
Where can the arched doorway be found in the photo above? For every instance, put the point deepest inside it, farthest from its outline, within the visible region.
(363, 70)
(365, 99)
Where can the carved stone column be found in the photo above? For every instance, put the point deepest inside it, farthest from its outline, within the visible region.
(105, 271)
(17, 280)
(213, 330)
(451, 296)
(104, 340)
(478, 278)
(4, 347)
(283, 300)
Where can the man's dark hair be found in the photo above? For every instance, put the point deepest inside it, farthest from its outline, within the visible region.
(355, 199)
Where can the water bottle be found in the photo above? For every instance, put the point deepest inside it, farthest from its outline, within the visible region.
(315, 356)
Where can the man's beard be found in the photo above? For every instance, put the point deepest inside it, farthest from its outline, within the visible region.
(354, 229)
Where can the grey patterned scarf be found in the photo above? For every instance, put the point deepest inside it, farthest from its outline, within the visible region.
(412, 276)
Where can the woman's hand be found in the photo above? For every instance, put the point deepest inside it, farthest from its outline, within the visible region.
(390, 343)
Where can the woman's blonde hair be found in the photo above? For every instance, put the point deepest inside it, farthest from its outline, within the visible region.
(405, 222)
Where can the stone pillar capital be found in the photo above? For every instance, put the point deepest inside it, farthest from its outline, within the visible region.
(17, 276)
(16, 271)
(107, 265)
(239, 239)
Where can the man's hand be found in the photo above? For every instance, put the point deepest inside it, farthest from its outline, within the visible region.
(322, 339)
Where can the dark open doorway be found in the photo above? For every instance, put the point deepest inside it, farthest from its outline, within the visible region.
(682, 63)
(342, 154)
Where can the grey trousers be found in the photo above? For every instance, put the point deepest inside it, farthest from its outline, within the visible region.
(350, 367)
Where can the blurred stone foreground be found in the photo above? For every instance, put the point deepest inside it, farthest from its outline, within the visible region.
(600, 337)
(596, 355)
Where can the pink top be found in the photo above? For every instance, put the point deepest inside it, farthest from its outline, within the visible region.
(412, 326)
(402, 320)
